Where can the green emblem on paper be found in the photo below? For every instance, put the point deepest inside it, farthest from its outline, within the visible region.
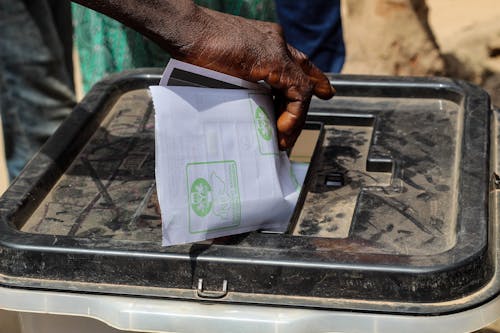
(201, 197)
(263, 124)
(213, 196)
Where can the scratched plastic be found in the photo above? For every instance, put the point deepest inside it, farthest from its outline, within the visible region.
(109, 190)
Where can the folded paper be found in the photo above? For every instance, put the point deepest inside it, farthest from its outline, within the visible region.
(218, 168)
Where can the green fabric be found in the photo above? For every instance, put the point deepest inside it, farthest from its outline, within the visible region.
(106, 46)
(254, 9)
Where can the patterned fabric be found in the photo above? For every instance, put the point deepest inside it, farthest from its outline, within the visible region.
(106, 46)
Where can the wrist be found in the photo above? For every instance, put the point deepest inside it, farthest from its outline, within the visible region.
(176, 28)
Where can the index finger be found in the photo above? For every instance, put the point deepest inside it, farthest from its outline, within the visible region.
(322, 87)
(293, 114)
(296, 89)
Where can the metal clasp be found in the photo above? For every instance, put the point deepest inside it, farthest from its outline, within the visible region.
(211, 294)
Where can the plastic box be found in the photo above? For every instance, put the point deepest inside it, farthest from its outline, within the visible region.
(396, 225)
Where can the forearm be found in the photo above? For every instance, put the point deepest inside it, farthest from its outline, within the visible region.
(248, 49)
(173, 24)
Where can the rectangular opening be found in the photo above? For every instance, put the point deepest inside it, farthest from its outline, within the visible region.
(303, 149)
(335, 179)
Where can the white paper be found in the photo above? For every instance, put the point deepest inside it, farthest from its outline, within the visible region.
(218, 168)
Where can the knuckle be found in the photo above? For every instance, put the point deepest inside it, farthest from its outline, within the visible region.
(307, 88)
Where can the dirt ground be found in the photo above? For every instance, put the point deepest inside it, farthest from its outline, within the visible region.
(470, 31)
(453, 38)
(451, 17)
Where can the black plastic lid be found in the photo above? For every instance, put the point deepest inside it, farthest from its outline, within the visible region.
(393, 216)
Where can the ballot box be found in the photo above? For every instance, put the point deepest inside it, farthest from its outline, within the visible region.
(396, 227)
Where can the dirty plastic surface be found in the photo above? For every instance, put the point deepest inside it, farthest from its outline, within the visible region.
(402, 201)
(394, 215)
(54, 312)
(109, 191)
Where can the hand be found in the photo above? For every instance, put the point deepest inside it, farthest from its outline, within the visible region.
(255, 50)
(249, 49)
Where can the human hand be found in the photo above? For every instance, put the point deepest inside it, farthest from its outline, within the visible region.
(252, 50)
(255, 50)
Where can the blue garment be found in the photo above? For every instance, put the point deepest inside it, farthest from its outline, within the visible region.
(315, 28)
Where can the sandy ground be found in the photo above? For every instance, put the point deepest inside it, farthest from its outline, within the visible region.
(449, 18)
(470, 30)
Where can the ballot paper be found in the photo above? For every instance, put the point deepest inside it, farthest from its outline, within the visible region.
(218, 168)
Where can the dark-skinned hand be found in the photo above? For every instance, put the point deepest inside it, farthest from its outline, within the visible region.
(256, 50)
(249, 49)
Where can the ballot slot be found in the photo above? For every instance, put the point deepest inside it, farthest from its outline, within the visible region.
(399, 161)
(345, 162)
(88, 200)
(301, 155)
